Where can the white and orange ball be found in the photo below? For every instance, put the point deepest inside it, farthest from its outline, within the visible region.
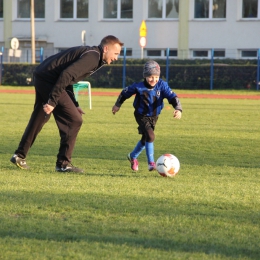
(168, 165)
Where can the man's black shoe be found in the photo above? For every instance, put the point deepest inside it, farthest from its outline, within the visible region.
(68, 168)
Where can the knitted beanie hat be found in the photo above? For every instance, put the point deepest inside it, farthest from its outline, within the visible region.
(151, 67)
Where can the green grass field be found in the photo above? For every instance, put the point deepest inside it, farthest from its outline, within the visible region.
(210, 210)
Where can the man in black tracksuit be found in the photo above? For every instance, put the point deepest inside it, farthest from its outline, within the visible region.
(53, 80)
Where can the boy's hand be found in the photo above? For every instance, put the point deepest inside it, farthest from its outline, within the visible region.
(177, 114)
(115, 109)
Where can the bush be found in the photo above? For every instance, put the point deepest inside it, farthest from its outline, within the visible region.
(18, 74)
(183, 74)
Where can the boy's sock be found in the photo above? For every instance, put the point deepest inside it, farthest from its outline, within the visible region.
(137, 150)
(149, 152)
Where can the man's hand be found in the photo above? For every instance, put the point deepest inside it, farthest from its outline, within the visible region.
(80, 111)
(115, 109)
(177, 114)
(47, 108)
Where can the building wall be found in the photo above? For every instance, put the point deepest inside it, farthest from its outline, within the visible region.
(186, 34)
(231, 34)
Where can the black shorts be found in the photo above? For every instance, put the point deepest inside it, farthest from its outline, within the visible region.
(145, 122)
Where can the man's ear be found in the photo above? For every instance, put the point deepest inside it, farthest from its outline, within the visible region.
(105, 48)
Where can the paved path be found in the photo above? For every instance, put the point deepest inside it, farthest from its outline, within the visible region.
(96, 93)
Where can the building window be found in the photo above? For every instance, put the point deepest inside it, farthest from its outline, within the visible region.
(207, 54)
(82, 9)
(161, 53)
(1, 9)
(24, 8)
(118, 9)
(129, 53)
(250, 8)
(219, 54)
(153, 53)
(38, 55)
(163, 9)
(210, 9)
(248, 54)
(200, 54)
(172, 53)
(74, 9)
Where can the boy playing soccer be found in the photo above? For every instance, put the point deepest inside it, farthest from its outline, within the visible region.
(148, 103)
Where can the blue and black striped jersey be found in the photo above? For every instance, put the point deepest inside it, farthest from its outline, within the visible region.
(149, 102)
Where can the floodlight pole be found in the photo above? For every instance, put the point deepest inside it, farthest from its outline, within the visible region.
(142, 52)
(32, 32)
(167, 65)
(212, 69)
(83, 38)
(258, 68)
(124, 67)
(1, 62)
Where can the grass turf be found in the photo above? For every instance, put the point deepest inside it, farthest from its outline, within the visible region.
(210, 210)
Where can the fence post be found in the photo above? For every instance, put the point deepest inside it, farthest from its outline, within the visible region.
(258, 67)
(212, 69)
(41, 55)
(124, 67)
(1, 64)
(167, 64)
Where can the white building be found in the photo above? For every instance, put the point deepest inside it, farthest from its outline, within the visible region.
(187, 28)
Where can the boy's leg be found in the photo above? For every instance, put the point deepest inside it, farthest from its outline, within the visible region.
(137, 150)
(150, 155)
(146, 126)
(149, 146)
(132, 157)
(149, 151)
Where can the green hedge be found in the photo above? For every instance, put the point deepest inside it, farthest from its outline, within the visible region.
(189, 74)
(16, 74)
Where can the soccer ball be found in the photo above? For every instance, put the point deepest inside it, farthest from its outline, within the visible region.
(167, 165)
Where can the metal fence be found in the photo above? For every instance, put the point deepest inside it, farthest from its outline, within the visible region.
(211, 73)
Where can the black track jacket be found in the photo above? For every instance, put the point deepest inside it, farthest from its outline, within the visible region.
(66, 68)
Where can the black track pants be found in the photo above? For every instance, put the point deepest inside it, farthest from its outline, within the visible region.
(67, 118)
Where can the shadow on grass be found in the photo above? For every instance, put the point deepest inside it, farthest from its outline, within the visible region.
(221, 156)
(191, 228)
(137, 243)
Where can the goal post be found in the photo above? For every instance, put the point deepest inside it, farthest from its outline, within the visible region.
(81, 86)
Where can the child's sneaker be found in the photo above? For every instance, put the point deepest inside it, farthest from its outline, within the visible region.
(151, 166)
(19, 162)
(134, 163)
